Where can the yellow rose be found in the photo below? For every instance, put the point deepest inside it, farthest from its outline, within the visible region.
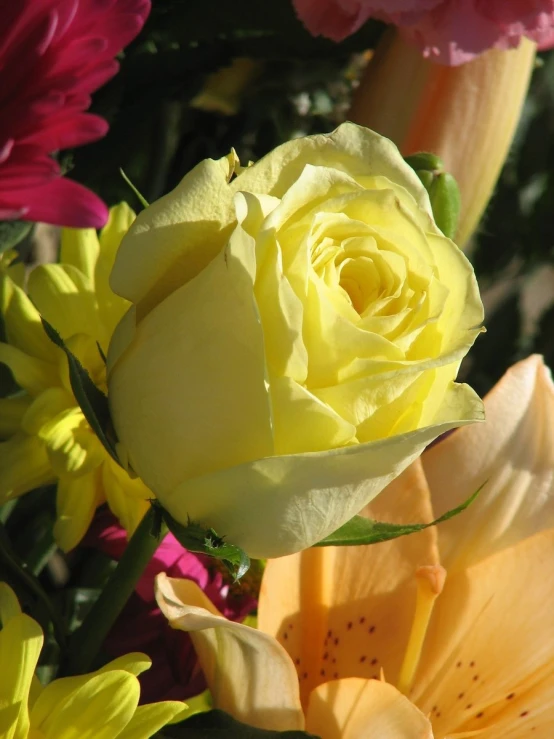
(294, 339)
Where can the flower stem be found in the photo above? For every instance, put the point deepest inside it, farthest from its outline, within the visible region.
(89, 637)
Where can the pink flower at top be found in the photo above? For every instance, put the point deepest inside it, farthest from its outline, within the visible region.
(175, 674)
(53, 55)
(448, 31)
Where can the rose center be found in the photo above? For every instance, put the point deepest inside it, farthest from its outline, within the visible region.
(361, 282)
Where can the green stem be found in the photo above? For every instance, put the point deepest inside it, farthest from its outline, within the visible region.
(89, 637)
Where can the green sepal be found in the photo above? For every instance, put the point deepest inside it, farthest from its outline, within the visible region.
(90, 398)
(197, 538)
(12, 232)
(217, 724)
(360, 530)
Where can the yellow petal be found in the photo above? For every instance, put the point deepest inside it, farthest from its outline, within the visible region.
(98, 709)
(491, 638)
(127, 498)
(65, 297)
(249, 674)
(151, 718)
(72, 446)
(280, 310)
(80, 248)
(62, 692)
(9, 716)
(347, 611)
(111, 307)
(512, 455)
(9, 605)
(263, 506)
(135, 663)
(24, 465)
(22, 322)
(302, 423)
(174, 239)
(12, 411)
(77, 499)
(45, 407)
(353, 708)
(32, 374)
(20, 644)
(352, 149)
(224, 396)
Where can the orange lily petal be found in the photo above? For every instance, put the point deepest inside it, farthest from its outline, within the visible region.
(347, 611)
(490, 643)
(354, 708)
(513, 453)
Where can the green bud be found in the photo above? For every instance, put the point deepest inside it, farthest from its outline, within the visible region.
(426, 177)
(444, 195)
(426, 161)
(443, 190)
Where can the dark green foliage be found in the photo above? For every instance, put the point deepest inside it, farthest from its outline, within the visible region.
(220, 725)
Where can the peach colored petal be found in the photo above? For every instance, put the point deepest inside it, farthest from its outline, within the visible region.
(347, 611)
(249, 674)
(354, 708)
(513, 453)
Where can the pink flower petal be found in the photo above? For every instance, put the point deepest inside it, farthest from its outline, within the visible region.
(448, 31)
(61, 202)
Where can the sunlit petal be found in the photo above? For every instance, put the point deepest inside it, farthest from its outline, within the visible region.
(249, 673)
(24, 465)
(354, 708)
(347, 611)
(76, 501)
(512, 455)
(491, 638)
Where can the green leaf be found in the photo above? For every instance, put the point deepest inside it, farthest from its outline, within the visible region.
(197, 538)
(12, 232)
(220, 725)
(91, 399)
(360, 530)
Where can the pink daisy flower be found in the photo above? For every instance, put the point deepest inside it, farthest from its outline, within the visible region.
(53, 55)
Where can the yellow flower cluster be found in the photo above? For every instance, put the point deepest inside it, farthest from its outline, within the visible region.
(46, 437)
(101, 705)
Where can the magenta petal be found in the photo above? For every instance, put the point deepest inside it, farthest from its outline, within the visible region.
(61, 202)
(81, 129)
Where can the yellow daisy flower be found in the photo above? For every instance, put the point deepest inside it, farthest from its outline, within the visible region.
(100, 705)
(45, 435)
